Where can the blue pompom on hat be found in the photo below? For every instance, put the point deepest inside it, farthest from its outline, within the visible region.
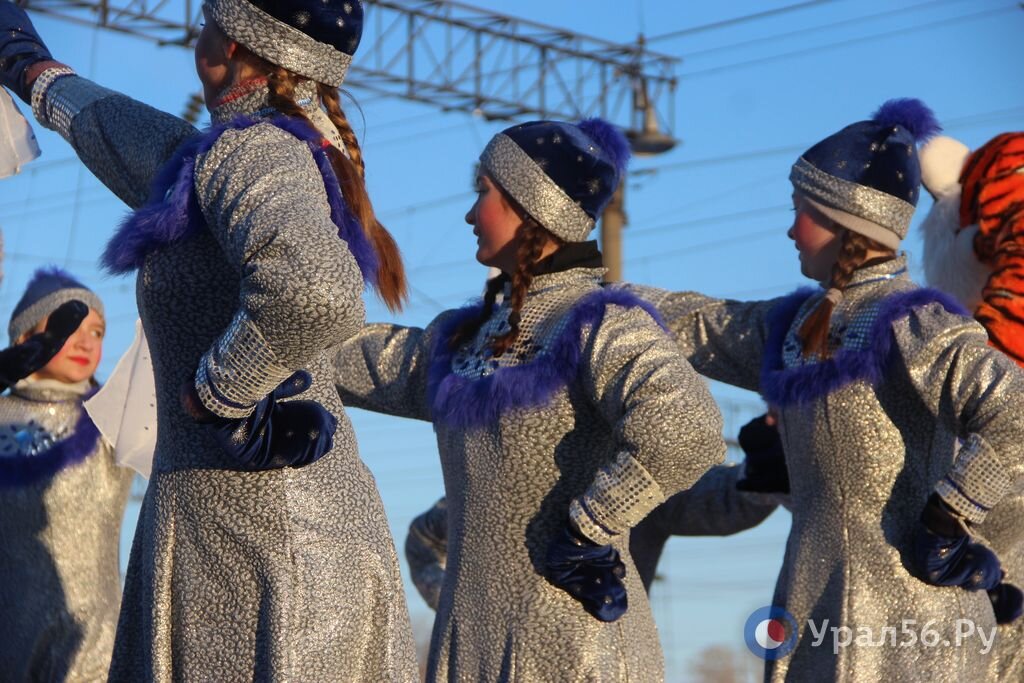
(562, 174)
(312, 38)
(867, 177)
(46, 291)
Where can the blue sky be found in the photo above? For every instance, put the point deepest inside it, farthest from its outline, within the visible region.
(710, 215)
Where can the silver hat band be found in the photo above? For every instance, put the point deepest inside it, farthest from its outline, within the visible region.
(527, 183)
(881, 208)
(31, 316)
(279, 43)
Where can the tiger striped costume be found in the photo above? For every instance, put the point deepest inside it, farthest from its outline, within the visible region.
(993, 199)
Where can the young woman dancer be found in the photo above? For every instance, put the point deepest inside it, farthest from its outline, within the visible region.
(875, 379)
(62, 499)
(262, 551)
(563, 416)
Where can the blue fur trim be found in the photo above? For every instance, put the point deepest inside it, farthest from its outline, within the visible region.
(610, 139)
(24, 470)
(460, 403)
(173, 214)
(787, 386)
(912, 114)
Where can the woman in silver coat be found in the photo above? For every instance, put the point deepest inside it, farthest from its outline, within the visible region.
(62, 499)
(262, 551)
(563, 416)
(875, 379)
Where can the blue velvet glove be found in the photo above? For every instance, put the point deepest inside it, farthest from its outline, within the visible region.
(20, 48)
(944, 553)
(279, 433)
(764, 469)
(1007, 603)
(589, 572)
(21, 360)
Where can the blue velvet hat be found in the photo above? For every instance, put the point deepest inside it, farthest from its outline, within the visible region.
(867, 177)
(46, 291)
(312, 38)
(562, 174)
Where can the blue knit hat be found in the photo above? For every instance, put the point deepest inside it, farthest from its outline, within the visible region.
(867, 176)
(562, 174)
(46, 291)
(312, 38)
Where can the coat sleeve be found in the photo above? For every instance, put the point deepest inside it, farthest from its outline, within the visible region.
(300, 289)
(384, 368)
(713, 506)
(667, 428)
(723, 339)
(947, 358)
(426, 550)
(122, 141)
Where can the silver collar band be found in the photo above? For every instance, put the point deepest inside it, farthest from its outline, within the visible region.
(887, 211)
(279, 43)
(527, 183)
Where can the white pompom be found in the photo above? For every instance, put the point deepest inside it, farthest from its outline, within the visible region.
(942, 160)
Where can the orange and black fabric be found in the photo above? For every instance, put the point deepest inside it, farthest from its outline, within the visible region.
(993, 199)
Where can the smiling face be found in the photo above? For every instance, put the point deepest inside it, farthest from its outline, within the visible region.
(817, 238)
(495, 224)
(78, 358)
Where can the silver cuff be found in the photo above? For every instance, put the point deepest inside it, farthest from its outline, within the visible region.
(58, 99)
(623, 493)
(239, 371)
(977, 481)
(527, 183)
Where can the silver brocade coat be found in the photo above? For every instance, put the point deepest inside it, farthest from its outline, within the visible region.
(283, 575)
(863, 457)
(60, 580)
(711, 507)
(631, 424)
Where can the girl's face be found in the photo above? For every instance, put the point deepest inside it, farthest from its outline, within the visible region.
(78, 358)
(495, 224)
(817, 239)
(213, 59)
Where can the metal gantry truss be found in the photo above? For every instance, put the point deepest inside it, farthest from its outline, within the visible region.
(452, 56)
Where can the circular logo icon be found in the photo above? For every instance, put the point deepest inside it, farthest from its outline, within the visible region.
(770, 633)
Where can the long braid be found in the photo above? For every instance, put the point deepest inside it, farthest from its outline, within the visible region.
(468, 328)
(351, 169)
(391, 283)
(813, 334)
(532, 238)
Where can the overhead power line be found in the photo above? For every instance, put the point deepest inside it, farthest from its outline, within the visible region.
(844, 43)
(738, 20)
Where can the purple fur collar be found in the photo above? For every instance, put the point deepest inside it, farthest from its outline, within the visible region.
(461, 403)
(173, 214)
(25, 470)
(786, 386)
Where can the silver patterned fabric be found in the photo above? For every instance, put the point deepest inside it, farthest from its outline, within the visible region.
(279, 43)
(510, 484)
(60, 584)
(288, 574)
(862, 461)
(534, 190)
(711, 507)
